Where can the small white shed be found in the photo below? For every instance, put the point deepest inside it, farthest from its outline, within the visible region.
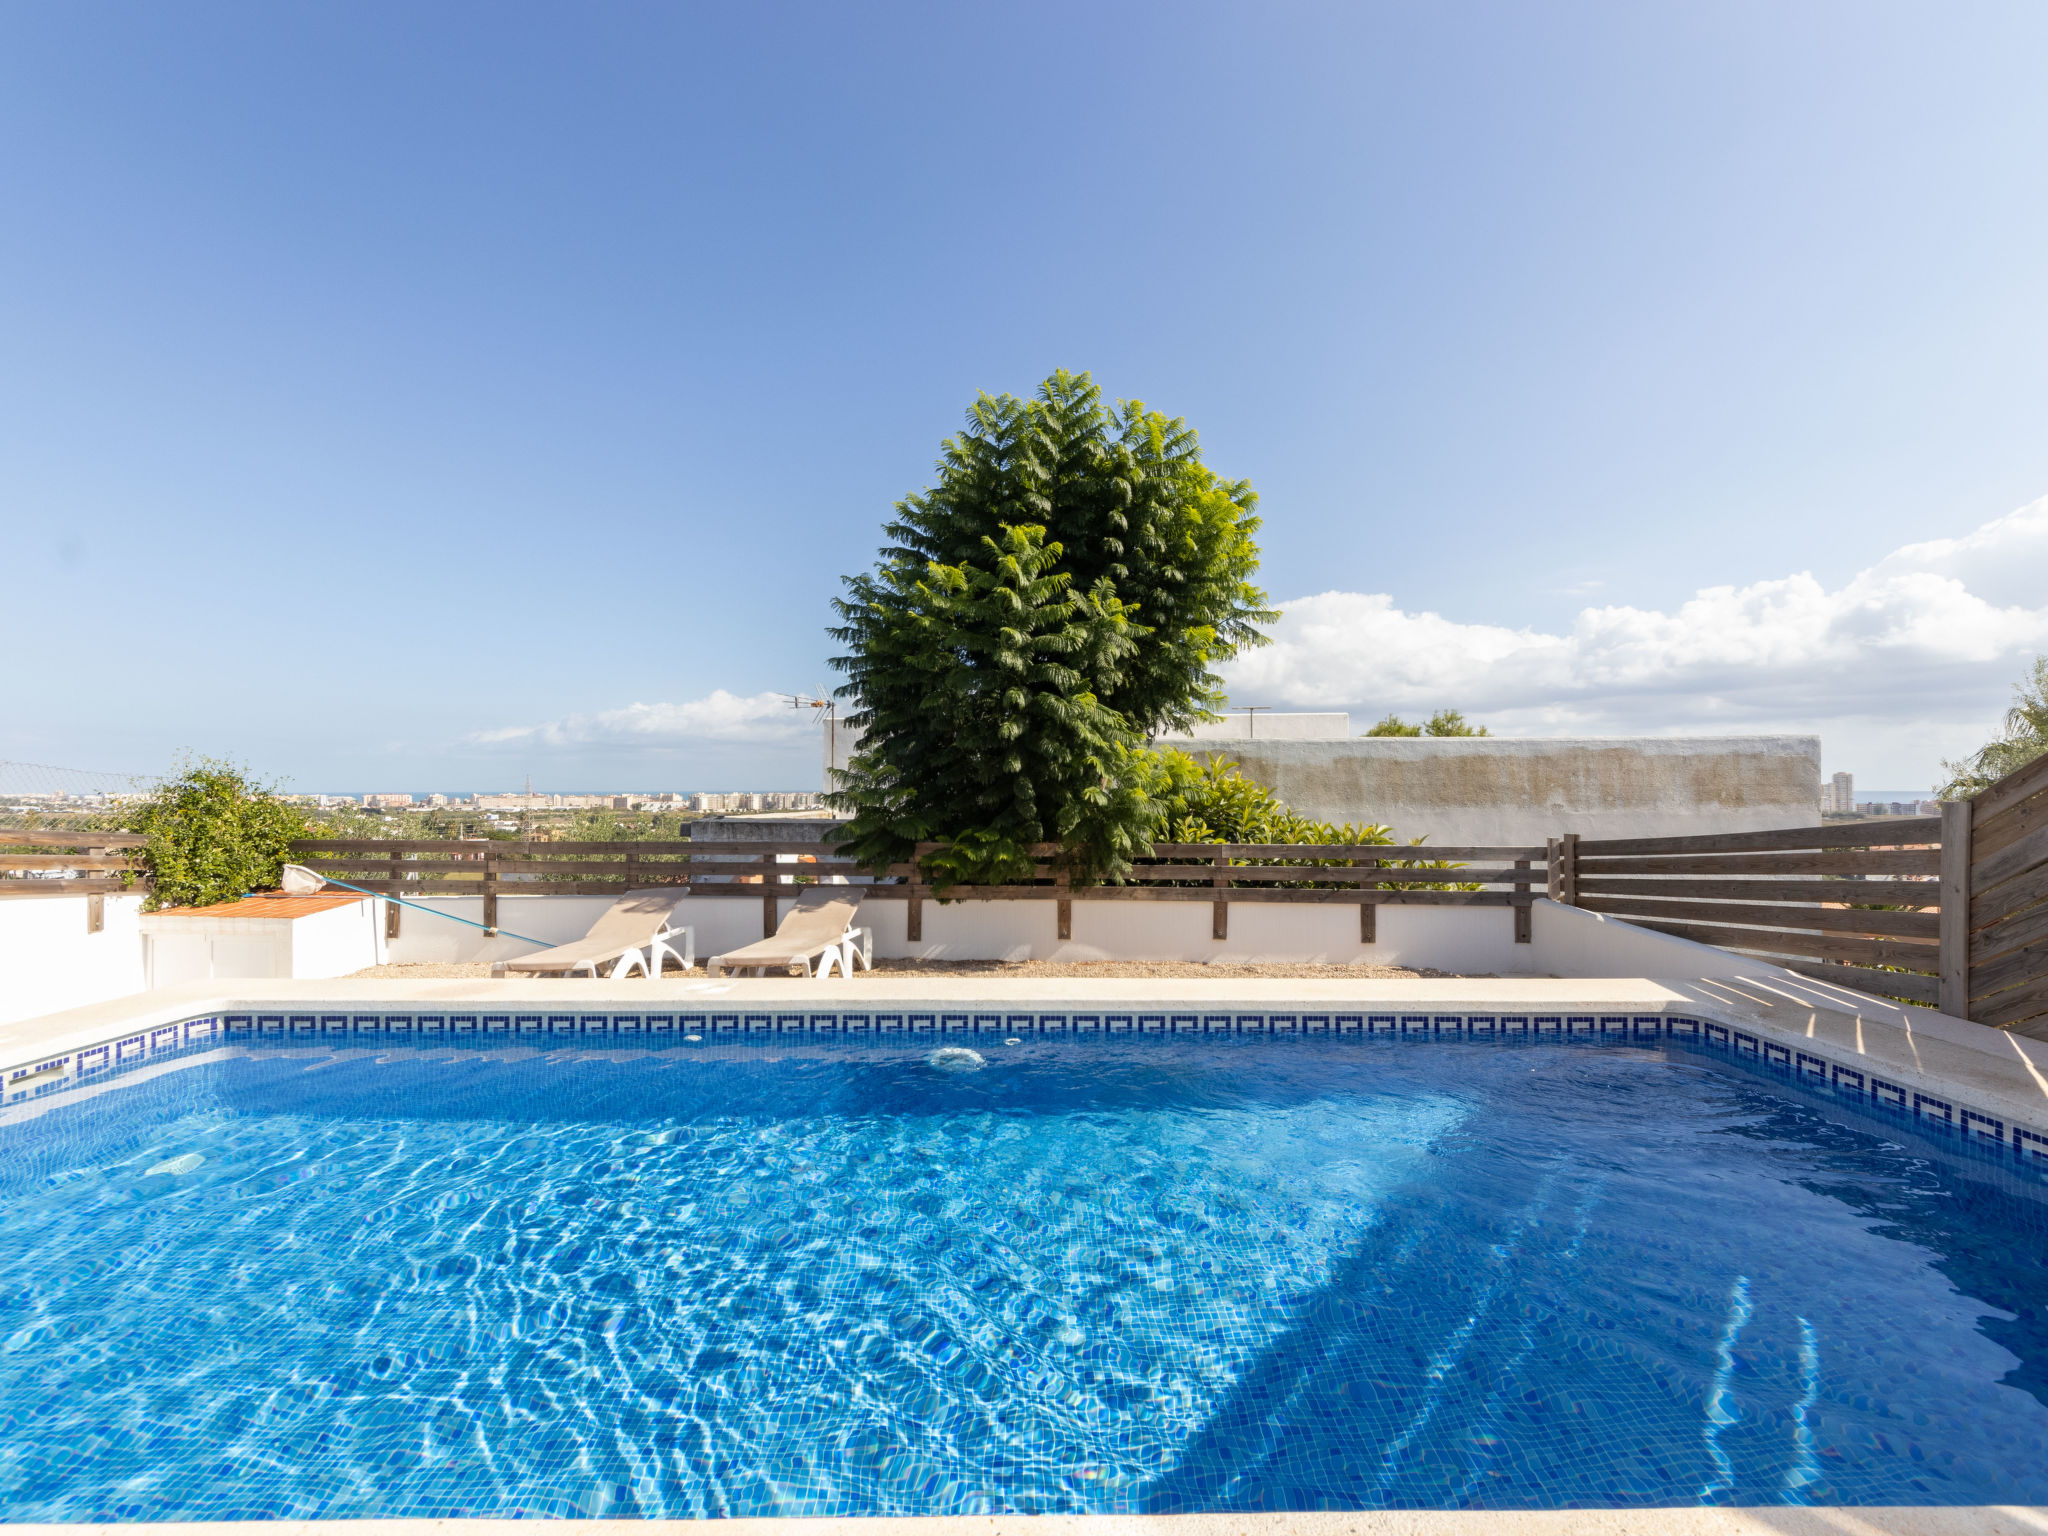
(263, 937)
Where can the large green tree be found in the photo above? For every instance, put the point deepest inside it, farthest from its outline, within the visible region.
(1062, 592)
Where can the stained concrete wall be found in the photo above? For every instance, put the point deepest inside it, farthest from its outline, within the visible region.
(1507, 790)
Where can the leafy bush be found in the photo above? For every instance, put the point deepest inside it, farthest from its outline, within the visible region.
(213, 835)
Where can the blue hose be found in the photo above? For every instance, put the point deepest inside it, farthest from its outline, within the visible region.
(431, 912)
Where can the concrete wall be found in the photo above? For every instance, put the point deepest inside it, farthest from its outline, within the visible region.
(1521, 790)
(48, 961)
(1503, 789)
(1467, 940)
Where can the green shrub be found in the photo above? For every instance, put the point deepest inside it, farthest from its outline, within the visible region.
(213, 835)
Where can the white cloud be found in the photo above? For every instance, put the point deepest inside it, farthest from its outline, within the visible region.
(763, 719)
(1931, 636)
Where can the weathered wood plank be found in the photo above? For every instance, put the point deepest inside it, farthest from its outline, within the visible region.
(2002, 901)
(1912, 925)
(1954, 915)
(72, 839)
(1177, 893)
(1919, 957)
(68, 861)
(1880, 892)
(1903, 831)
(1994, 834)
(72, 888)
(1904, 861)
(1490, 854)
(2012, 789)
(382, 846)
(2023, 856)
(2015, 967)
(2015, 932)
(2021, 1005)
(1244, 875)
(1898, 984)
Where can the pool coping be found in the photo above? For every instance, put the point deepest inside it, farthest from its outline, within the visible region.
(1972, 1066)
(1765, 1520)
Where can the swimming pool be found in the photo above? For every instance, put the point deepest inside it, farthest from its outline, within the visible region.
(807, 1275)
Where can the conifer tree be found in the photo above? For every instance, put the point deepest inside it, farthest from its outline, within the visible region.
(1061, 593)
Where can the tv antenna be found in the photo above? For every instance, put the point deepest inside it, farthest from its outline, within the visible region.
(1251, 718)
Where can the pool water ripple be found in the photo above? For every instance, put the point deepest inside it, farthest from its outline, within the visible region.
(1150, 1275)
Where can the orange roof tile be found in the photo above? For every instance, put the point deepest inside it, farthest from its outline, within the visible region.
(267, 904)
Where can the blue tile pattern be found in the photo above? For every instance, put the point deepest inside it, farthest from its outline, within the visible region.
(1807, 1067)
(368, 1267)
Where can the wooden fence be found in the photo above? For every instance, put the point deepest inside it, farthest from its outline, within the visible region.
(1995, 903)
(1950, 910)
(1367, 875)
(70, 863)
(1851, 903)
(88, 864)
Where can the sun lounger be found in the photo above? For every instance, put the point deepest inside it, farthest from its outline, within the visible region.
(816, 934)
(636, 934)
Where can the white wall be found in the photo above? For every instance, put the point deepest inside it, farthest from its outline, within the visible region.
(1468, 940)
(339, 941)
(48, 961)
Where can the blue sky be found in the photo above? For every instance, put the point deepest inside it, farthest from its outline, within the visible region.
(434, 395)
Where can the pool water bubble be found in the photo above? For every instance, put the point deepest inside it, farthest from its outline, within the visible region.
(955, 1058)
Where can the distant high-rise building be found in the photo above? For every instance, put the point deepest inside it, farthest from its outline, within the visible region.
(1838, 798)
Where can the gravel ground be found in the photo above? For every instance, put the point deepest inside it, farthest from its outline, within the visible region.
(1024, 970)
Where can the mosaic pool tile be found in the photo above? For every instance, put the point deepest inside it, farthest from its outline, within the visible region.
(1127, 1271)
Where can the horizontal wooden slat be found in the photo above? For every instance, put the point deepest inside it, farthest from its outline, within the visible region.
(2024, 927)
(760, 850)
(409, 889)
(1274, 874)
(67, 861)
(389, 845)
(1900, 984)
(2027, 855)
(1813, 946)
(1911, 925)
(1904, 861)
(2026, 1005)
(1882, 892)
(596, 869)
(2010, 790)
(1906, 829)
(71, 888)
(73, 839)
(385, 846)
(1198, 893)
(1490, 854)
(1994, 834)
(2015, 967)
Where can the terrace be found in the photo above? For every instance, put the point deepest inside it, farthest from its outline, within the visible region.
(1880, 979)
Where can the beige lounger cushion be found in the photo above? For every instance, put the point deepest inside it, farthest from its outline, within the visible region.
(632, 923)
(820, 920)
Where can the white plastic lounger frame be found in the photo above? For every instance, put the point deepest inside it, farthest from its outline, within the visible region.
(634, 937)
(815, 935)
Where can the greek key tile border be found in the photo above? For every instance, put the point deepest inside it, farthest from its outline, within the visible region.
(1944, 1115)
(33, 1079)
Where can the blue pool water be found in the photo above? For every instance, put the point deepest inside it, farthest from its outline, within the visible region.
(830, 1277)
